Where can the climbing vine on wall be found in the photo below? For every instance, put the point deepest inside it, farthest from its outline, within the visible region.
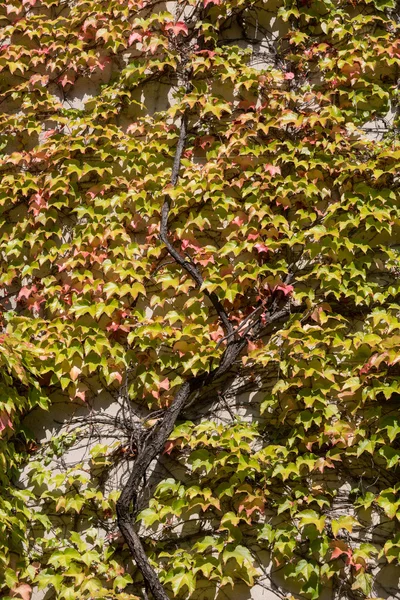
(200, 222)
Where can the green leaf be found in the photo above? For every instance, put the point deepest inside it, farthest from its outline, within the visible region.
(345, 522)
(148, 516)
(122, 581)
(311, 517)
(181, 579)
(62, 558)
(363, 581)
(240, 554)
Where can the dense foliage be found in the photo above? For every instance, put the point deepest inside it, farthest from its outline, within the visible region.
(199, 201)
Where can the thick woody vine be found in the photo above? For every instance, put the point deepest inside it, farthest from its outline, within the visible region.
(156, 439)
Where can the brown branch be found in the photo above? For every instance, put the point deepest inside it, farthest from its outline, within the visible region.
(127, 504)
(151, 450)
(259, 309)
(188, 266)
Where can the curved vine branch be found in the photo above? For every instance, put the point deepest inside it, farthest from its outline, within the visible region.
(155, 442)
(188, 266)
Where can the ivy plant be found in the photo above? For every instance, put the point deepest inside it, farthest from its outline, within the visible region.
(200, 221)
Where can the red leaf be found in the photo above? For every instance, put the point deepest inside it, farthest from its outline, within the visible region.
(164, 385)
(368, 365)
(272, 169)
(5, 421)
(91, 22)
(75, 372)
(25, 292)
(134, 37)
(260, 247)
(315, 315)
(34, 303)
(99, 63)
(95, 191)
(36, 203)
(239, 220)
(48, 133)
(206, 140)
(337, 552)
(252, 346)
(209, 53)
(67, 79)
(217, 335)
(116, 375)
(194, 244)
(286, 289)
(23, 591)
(177, 28)
(169, 446)
(289, 75)
(80, 392)
(340, 548)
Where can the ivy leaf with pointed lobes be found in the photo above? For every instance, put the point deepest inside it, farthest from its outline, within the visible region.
(5, 421)
(273, 169)
(339, 549)
(392, 426)
(135, 36)
(391, 549)
(345, 522)
(207, 565)
(177, 28)
(75, 372)
(309, 573)
(311, 517)
(389, 502)
(121, 581)
(240, 554)
(23, 591)
(229, 522)
(363, 581)
(181, 579)
(261, 247)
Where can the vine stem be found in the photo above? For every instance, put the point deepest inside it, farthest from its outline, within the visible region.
(188, 266)
(127, 504)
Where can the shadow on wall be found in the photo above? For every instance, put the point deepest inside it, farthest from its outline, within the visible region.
(387, 582)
